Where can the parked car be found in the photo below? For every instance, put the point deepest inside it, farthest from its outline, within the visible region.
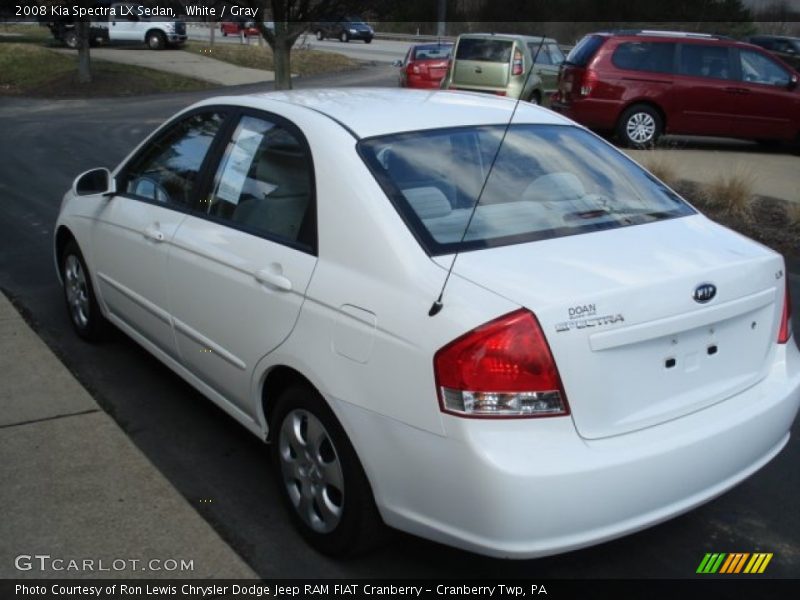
(786, 48)
(344, 30)
(646, 83)
(238, 27)
(282, 253)
(499, 64)
(424, 65)
(129, 24)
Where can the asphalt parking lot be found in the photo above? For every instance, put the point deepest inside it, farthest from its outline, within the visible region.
(204, 454)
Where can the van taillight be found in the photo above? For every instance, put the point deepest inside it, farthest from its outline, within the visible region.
(516, 65)
(785, 330)
(503, 368)
(588, 82)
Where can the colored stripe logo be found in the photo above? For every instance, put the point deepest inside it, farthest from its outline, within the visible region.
(734, 563)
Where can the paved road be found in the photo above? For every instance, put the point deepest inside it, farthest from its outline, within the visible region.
(204, 454)
(378, 51)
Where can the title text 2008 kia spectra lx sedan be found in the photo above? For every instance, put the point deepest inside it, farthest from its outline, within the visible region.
(288, 254)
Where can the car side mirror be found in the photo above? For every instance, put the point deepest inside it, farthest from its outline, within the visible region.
(397, 63)
(793, 80)
(94, 182)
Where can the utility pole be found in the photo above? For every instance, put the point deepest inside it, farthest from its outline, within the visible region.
(441, 17)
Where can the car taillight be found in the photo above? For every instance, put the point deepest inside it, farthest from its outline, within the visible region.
(516, 65)
(503, 368)
(785, 330)
(412, 68)
(588, 83)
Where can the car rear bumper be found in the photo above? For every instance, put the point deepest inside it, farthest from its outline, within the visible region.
(176, 38)
(528, 488)
(588, 112)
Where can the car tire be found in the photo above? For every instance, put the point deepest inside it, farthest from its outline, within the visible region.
(322, 482)
(156, 40)
(70, 39)
(640, 126)
(344, 37)
(320, 35)
(535, 99)
(223, 32)
(368, 41)
(81, 302)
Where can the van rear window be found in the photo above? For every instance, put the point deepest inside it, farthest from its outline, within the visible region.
(657, 57)
(584, 51)
(484, 50)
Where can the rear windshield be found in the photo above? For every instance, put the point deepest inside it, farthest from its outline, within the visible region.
(548, 181)
(485, 50)
(583, 52)
(432, 52)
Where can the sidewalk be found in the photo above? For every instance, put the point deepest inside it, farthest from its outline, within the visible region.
(183, 63)
(75, 487)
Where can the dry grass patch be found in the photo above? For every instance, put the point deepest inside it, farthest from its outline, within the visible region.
(731, 192)
(662, 167)
(254, 56)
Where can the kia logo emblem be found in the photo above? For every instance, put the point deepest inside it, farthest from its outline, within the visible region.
(704, 292)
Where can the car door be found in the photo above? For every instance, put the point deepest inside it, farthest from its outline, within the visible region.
(239, 267)
(547, 63)
(704, 91)
(767, 103)
(124, 27)
(135, 228)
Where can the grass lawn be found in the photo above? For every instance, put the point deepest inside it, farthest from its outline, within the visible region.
(24, 33)
(32, 70)
(304, 62)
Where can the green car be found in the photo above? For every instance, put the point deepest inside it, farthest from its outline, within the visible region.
(499, 64)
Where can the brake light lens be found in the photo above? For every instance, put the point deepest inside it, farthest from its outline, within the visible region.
(516, 65)
(502, 369)
(785, 330)
(588, 83)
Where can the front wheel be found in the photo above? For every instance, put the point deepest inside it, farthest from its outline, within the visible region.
(368, 41)
(320, 477)
(640, 127)
(84, 313)
(71, 39)
(320, 35)
(156, 40)
(344, 37)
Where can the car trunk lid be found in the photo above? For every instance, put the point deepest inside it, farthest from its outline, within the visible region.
(633, 347)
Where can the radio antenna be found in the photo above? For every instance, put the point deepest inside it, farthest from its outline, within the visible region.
(438, 303)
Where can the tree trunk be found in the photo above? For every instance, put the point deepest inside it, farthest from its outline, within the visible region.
(212, 32)
(280, 57)
(84, 61)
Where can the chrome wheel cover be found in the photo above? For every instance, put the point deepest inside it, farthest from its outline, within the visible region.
(641, 128)
(311, 470)
(77, 291)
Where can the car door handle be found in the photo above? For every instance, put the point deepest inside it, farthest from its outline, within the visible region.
(153, 233)
(737, 90)
(271, 278)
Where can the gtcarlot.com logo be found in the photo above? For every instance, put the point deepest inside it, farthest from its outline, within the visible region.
(734, 563)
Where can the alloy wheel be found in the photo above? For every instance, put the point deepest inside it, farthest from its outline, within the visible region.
(77, 291)
(640, 128)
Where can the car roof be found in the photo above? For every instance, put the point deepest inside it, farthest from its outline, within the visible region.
(368, 112)
(507, 36)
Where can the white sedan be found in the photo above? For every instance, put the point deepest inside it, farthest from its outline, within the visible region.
(475, 322)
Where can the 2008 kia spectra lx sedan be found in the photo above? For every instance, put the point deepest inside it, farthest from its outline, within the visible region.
(284, 253)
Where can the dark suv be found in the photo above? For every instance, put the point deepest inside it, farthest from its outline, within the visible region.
(787, 48)
(645, 83)
(344, 30)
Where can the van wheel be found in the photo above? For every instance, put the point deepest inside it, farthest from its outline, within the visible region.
(156, 40)
(640, 126)
(84, 313)
(320, 477)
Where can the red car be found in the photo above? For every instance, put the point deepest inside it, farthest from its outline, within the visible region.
(647, 83)
(425, 65)
(236, 27)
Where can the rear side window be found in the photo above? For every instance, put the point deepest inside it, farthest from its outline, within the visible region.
(757, 68)
(484, 50)
(658, 57)
(699, 60)
(548, 181)
(584, 51)
(546, 54)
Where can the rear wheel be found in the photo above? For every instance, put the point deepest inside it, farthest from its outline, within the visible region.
(84, 313)
(156, 40)
(535, 98)
(71, 39)
(640, 126)
(320, 477)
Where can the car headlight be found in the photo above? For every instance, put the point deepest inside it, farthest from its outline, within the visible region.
(353, 30)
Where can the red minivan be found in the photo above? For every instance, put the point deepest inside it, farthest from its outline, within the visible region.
(645, 83)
